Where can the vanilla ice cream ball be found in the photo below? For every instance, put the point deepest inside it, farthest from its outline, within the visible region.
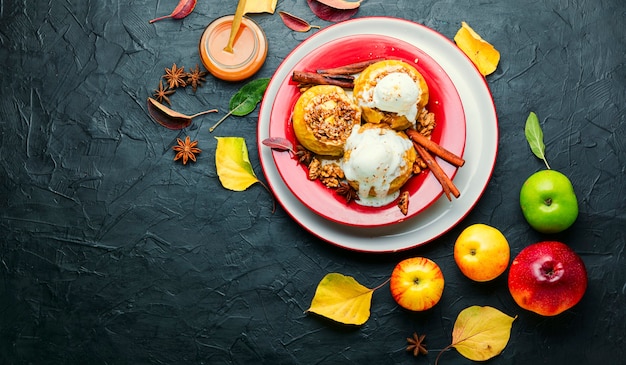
(377, 162)
(397, 92)
(392, 92)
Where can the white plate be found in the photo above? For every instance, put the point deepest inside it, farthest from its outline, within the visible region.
(480, 150)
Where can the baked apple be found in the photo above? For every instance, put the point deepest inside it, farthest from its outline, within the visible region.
(391, 92)
(323, 118)
(377, 162)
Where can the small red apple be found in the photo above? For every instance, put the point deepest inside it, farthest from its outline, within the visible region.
(547, 278)
(416, 283)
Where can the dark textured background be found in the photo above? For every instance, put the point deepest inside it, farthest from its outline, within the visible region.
(112, 253)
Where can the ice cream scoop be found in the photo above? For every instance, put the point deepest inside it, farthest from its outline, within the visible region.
(397, 92)
(392, 92)
(377, 161)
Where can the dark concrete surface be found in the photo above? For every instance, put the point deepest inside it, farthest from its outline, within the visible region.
(111, 253)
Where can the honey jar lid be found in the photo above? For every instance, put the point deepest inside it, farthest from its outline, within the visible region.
(249, 49)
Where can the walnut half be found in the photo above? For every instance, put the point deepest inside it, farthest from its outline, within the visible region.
(403, 202)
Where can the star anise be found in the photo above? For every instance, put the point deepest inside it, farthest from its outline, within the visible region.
(175, 76)
(195, 78)
(161, 94)
(304, 156)
(416, 345)
(186, 150)
(347, 191)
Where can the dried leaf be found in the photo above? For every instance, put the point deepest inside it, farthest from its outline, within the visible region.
(170, 118)
(342, 299)
(341, 4)
(184, 8)
(534, 136)
(279, 144)
(482, 54)
(260, 6)
(329, 13)
(481, 333)
(294, 23)
(245, 100)
(233, 164)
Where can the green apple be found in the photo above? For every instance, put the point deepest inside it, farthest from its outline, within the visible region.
(548, 201)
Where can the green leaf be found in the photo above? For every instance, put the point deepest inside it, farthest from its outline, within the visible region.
(534, 136)
(245, 100)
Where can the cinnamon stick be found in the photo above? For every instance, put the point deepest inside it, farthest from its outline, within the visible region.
(350, 69)
(304, 77)
(447, 184)
(436, 149)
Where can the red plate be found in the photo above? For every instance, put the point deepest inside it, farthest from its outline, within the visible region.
(444, 102)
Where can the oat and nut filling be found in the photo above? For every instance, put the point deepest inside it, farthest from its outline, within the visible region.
(330, 116)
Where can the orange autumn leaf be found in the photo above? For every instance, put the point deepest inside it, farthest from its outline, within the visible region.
(482, 54)
(342, 299)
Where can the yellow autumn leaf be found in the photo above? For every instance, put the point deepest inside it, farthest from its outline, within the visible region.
(482, 54)
(481, 333)
(233, 165)
(342, 299)
(260, 6)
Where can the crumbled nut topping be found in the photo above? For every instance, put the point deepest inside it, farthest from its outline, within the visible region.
(403, 202)
(331, 117)
(419, 165)
(315, 169)
(331, 175)
(425, 122)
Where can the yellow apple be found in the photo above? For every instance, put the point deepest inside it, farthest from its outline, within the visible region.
(416, 283)
(482, 252)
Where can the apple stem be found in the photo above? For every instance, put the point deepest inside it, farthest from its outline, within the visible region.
(381, 285)
(441, 352)
(546, 162)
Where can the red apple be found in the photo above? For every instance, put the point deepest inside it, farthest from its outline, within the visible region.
(416, 283)
(547, 278)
